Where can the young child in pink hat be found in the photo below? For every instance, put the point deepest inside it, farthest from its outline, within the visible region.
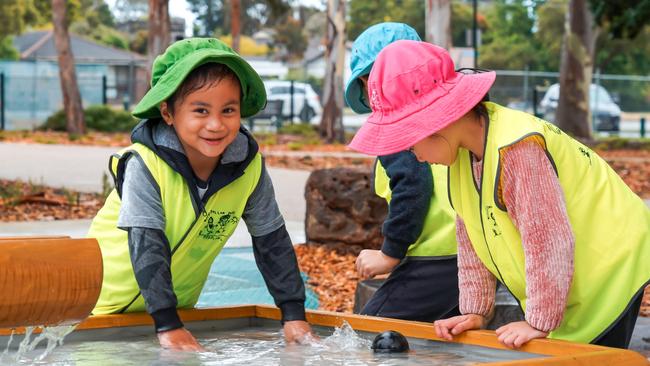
(537, 210)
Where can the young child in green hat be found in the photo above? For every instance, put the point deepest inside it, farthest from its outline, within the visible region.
(191, 174)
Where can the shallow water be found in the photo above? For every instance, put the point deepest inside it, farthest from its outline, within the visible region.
(262, 346)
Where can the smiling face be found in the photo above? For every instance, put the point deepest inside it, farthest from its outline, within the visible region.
(206, 121)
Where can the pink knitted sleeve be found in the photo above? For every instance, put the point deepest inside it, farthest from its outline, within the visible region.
(476, 284)
(535, 201)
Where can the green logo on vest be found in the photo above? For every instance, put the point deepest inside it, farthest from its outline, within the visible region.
(217, 225)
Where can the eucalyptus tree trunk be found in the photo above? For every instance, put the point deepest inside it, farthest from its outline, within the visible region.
(438, 22)
(159, 30)
(75, 123)
(573, 114)
(235, 11)
(331, 125)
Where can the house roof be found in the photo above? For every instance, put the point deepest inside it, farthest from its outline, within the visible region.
(40, 46)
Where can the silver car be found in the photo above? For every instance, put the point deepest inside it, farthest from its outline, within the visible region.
(306, 103)
(605, 111)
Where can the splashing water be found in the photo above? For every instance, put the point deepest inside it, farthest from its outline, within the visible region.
(345, 338)
(53, 335)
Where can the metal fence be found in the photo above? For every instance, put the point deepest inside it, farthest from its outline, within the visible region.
(30, 92)
(631, 92)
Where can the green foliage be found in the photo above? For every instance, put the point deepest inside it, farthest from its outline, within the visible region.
(364, 13)
(101, 34)
(139, 42)
(550, 24)
(15, 15)
(623, 19)
(7, 49)
(291, 36)
(461, 20)
(509, 41)
(213, 16)
(617, 143)
(299, 129)
(98, 118)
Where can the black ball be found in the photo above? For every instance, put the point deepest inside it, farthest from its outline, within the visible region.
(390, 341)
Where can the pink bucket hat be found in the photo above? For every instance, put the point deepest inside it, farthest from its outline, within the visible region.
(415, 92)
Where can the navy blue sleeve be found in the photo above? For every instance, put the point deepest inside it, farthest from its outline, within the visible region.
(411, 185)
(277, 261)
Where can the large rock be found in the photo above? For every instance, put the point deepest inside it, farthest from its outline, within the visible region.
(343, 208)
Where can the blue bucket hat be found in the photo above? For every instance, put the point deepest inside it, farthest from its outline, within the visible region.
(364, 52)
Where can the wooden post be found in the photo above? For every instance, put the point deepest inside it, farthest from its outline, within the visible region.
(438, 22)
(576, 69)
(235, 23)
(331, 126)
(159, 30)
(70, 89)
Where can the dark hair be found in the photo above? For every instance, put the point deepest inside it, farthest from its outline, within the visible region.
(206, 75)
(480, 108)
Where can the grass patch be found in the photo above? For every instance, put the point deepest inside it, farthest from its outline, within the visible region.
(618, 143)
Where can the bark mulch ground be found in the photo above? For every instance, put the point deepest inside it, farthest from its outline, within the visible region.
(26, 201)
(332, 275)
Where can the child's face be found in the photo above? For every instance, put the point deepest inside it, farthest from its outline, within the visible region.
(364, 85)
(439, 148)
(207, 120)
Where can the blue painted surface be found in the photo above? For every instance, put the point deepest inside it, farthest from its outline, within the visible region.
(234, 279)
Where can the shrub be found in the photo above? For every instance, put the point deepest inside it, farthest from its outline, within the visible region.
(299, 129)
(98, 118)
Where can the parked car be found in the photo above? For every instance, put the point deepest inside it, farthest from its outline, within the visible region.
(603, 108)
(306, 103)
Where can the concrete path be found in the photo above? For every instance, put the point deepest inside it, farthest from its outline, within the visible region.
(81, 168)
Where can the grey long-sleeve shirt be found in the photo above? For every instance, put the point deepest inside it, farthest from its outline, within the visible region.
(142, 215)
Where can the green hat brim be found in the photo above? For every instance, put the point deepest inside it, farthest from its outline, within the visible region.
(252, 87)
(353, 94)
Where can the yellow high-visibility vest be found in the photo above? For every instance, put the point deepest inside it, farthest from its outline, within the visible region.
(195, 240)
(438, 237)
(611, 224)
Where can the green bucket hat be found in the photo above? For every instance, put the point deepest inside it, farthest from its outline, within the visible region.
(172, 67)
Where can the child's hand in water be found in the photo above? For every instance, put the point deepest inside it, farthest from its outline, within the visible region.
(371, 263)
(448, 328)
(516, 334)
(298, 331)
(179, 339)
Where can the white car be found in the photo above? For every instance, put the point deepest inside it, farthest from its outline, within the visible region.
(306, 103)
(606, 112)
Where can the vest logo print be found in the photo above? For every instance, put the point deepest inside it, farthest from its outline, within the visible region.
(585, 152)
(489, 213)
(550, 126)
(217, 224)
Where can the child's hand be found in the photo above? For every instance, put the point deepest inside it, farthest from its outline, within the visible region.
(371, 263)
(448, 328)
(516, 334)
(298, 331)
(179, 339)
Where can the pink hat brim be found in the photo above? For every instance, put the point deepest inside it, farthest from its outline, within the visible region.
(381, 137)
